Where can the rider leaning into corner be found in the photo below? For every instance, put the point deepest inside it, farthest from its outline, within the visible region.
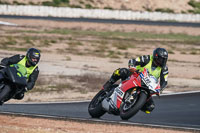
(30, 61)
(156, 64)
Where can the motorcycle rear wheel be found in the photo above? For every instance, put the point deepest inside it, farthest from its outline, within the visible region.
(127, 112)
(95, 107)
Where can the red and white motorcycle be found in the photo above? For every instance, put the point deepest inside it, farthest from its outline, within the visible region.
(127, 98)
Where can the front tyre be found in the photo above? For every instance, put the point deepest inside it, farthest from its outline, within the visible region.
(95, 107)
(127, 109)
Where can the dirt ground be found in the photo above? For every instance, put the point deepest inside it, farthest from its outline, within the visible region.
(12, 124)
(135, 5)
(183, 68)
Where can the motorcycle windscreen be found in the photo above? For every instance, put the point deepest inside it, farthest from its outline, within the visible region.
(15, 75)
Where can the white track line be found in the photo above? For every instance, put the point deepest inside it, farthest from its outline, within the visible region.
(52, 102)
(7, 23)
(179, 93)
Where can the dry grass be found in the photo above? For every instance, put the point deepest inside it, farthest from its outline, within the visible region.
(104, 44)
(90, 82)
(82, 83)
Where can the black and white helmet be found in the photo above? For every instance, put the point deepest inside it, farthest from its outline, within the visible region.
(160, 56)
(33, 56)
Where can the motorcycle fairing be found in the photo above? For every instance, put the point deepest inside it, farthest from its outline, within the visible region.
(131, 83)
(15, 76)
(117, 96)
(119, 91)
(135, 80)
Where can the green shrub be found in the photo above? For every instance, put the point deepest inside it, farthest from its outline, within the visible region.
(88, 6)
(120, 46)
(6, 3)
(113, 54)
(193, 52)
(170, 52)
(53, 41)
(56, 3)
(81, 2)
(17, 3)
(183, 52)
(147, 9)
(75, 6)
(65, 1)
(194, 4)
(167, 10)
(48, 3)
(31, 3)
(109, 8)
(196, 11)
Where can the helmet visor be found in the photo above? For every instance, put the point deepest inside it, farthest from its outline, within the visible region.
(34, 60)
(160, 61)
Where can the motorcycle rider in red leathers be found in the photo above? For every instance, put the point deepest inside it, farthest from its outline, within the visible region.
(156, 64)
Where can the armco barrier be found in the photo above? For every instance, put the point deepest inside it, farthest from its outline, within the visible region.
(95, 13)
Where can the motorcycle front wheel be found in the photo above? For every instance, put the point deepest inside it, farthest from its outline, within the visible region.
(4, 92)
(130, 107)
(95, 107)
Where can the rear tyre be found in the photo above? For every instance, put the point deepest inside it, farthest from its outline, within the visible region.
(95, 107)
(127, 109)
(4, 93)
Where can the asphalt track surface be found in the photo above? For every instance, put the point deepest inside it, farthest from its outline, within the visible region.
(181, 111)
(114, 21)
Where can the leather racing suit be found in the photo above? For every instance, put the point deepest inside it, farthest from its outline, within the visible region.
(141, 62)
(32, 77)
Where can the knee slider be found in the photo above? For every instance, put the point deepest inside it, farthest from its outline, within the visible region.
(19, 96)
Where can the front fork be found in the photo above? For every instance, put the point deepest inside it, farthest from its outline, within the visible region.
(131, 95)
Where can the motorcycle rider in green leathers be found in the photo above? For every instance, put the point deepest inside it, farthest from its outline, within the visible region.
(30, 62)
(156, 65)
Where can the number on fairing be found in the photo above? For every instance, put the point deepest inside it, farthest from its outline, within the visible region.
(147, 81)
(119, 92)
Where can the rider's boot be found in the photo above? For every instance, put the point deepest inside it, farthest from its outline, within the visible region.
(148, 106)
(1, 77)
(107, 86)
(19, 96)
(115, 76)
